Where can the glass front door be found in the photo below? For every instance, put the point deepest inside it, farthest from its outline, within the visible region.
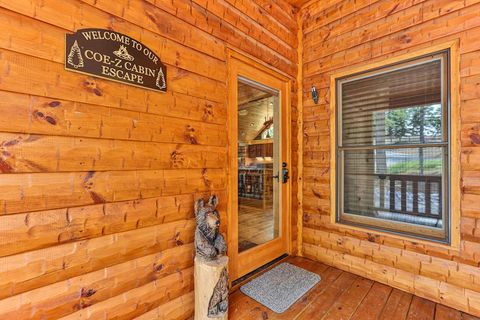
(259, 152)
(258, 164)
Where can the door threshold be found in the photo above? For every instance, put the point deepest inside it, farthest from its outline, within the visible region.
(255, 273)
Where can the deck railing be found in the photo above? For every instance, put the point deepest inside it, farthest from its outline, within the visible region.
(407, 197)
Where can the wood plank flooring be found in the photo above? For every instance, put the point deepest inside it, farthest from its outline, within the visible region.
(343, 295)
(255, 223)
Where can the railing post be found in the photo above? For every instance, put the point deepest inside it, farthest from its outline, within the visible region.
(392, 193)
(415, 195)
(428, 201)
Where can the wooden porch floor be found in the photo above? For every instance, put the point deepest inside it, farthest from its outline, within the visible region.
(343, 295)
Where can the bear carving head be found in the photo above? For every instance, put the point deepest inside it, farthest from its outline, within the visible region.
(207, 216)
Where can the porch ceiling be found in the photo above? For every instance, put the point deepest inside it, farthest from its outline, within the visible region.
(297, 3)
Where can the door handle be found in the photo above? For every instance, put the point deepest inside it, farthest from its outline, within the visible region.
(285, 175)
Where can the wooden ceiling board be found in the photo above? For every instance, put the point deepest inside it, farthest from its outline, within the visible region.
(297, 3)
(248, 94)
(250, 124)
(255, 106)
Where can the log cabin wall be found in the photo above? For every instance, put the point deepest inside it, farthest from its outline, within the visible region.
(341, 34)
(98, 178)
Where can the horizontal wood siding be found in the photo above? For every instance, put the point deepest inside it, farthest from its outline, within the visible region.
(342, 34)
(97, 178)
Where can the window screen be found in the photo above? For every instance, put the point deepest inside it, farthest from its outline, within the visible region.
(392, 148)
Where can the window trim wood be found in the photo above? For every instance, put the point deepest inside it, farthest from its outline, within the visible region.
(455, 186)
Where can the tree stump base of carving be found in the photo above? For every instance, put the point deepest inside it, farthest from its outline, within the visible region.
(210, 277)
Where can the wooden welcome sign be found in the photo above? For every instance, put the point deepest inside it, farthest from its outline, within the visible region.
(111, 55)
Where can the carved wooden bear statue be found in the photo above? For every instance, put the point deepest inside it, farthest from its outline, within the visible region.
(209, 242)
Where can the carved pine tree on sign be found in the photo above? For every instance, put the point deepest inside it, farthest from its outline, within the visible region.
(161, 83)
(75, 58)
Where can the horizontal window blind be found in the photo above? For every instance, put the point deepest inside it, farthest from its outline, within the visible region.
(369, 105)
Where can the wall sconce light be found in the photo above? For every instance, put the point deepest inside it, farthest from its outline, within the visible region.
(314, 94)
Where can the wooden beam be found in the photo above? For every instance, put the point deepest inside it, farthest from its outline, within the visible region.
(300, 139)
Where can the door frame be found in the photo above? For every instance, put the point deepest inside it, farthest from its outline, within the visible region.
(239, 64)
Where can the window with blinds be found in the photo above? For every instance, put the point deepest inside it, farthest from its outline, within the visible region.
(393, 146)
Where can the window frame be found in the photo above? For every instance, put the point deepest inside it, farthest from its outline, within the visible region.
(450, 121)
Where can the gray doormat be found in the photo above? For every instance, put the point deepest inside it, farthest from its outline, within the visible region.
(279, 288)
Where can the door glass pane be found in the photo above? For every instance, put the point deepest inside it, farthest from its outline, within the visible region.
(258, 164)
